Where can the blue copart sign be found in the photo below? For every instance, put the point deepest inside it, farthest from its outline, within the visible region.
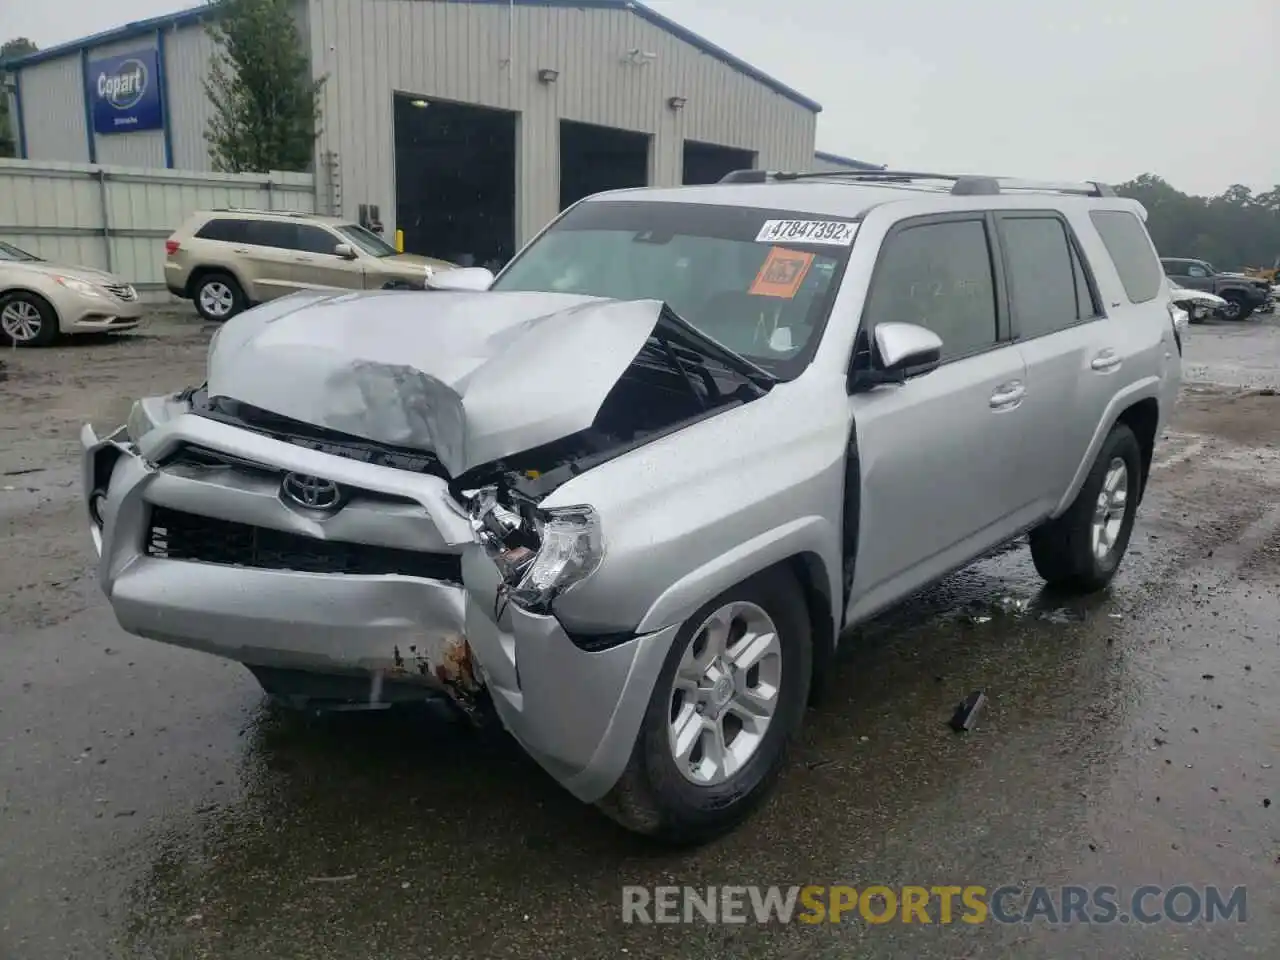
(125, 93)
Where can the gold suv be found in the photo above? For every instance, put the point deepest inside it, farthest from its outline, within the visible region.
(228, 260)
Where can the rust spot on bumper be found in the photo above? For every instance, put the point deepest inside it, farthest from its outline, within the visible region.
(455, 669)
(446, 660)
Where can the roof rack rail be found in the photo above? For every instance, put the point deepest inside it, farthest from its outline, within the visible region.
(270, 213)
(962, 184)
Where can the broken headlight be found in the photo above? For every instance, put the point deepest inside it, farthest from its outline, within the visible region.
(139, 424)
(539, 553)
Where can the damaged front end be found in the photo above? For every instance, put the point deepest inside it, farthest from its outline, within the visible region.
(429, 433)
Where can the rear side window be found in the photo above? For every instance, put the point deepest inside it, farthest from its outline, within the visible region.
(228, 231)
(1048, 288)
(938, 275)
(1131, 251)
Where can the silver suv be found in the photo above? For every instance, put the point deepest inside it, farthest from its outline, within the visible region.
(631, 492)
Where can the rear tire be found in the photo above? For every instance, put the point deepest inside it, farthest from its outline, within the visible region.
(27, 320)
(683, 796)
(1081, 550)
(218, 297)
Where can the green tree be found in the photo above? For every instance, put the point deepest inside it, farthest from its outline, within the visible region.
(1233, 230)
(10, 50)
(265, 100)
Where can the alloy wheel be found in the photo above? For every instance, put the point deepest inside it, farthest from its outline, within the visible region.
(1108, 515)
(21, 321)
(725, 693)
(216, 299)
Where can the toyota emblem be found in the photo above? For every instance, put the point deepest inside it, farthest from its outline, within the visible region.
(314, 493)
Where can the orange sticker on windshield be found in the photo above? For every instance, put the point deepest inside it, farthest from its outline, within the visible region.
(783, 272)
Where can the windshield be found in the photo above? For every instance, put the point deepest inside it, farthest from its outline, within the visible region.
(1210, 267)
(367, 240)
(761, 282)
(9, 252)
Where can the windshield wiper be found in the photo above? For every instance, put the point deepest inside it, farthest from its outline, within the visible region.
(677, 330)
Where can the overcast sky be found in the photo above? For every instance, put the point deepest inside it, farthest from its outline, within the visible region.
(1084, 89)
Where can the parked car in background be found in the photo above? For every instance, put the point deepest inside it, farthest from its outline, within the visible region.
(228, 260)
(1198, 305)
(639, 485)
(1243, 294)
(41, 300)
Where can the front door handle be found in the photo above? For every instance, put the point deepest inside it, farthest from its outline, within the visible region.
(1008, 395)
(1106, 360)
(303, 260)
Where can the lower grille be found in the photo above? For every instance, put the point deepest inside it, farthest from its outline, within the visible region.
(176, 535)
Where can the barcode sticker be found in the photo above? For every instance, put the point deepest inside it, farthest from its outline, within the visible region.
(831, 233)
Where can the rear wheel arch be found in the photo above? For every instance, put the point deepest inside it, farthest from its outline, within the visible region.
(199, 273)
(1143, 417)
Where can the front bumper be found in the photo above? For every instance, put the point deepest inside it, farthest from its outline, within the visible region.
(576, 712)
(96, 314)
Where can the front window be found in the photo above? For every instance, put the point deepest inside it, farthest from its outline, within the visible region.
(367, 240)
(9, 252)
(761, 282)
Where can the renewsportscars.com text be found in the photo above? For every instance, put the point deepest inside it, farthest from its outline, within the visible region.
(1147, 904)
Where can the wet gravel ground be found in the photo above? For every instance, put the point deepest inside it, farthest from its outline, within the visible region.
(152, 805)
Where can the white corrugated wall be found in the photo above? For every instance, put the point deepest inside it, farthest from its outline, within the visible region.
(187, 53)
(477, 53)
(117, 218)
(53, 110)
(460, 52)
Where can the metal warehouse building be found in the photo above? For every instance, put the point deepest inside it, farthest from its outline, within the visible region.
(468, 124)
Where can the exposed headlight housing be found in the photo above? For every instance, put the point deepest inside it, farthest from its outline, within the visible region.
(82, 287)
(139, 424)
(539, 553)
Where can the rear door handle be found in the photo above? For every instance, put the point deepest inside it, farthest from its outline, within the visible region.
(1106, 360)
(1008, 395)
(242, 251)
(303, 260)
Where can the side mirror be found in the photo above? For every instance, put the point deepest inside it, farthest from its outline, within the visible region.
(345, 250)
(474, 279)
(905, 346)
(901, 350)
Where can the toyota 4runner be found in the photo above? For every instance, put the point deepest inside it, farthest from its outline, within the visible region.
(631, 492)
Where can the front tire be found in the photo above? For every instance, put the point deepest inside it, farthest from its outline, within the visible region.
(1236, 308)
(27, 320)
(1081, 550)
(732, 691)
(218, 297)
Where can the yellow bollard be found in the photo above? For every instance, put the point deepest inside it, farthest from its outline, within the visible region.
(400, 241)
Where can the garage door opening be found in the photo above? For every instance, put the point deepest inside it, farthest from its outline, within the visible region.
(708, 162)
(600, 158)
(456, 181)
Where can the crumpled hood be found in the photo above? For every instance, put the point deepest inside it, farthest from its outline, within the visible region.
(471, 377)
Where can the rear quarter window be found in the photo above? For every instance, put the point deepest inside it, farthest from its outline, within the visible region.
(1131, 251)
